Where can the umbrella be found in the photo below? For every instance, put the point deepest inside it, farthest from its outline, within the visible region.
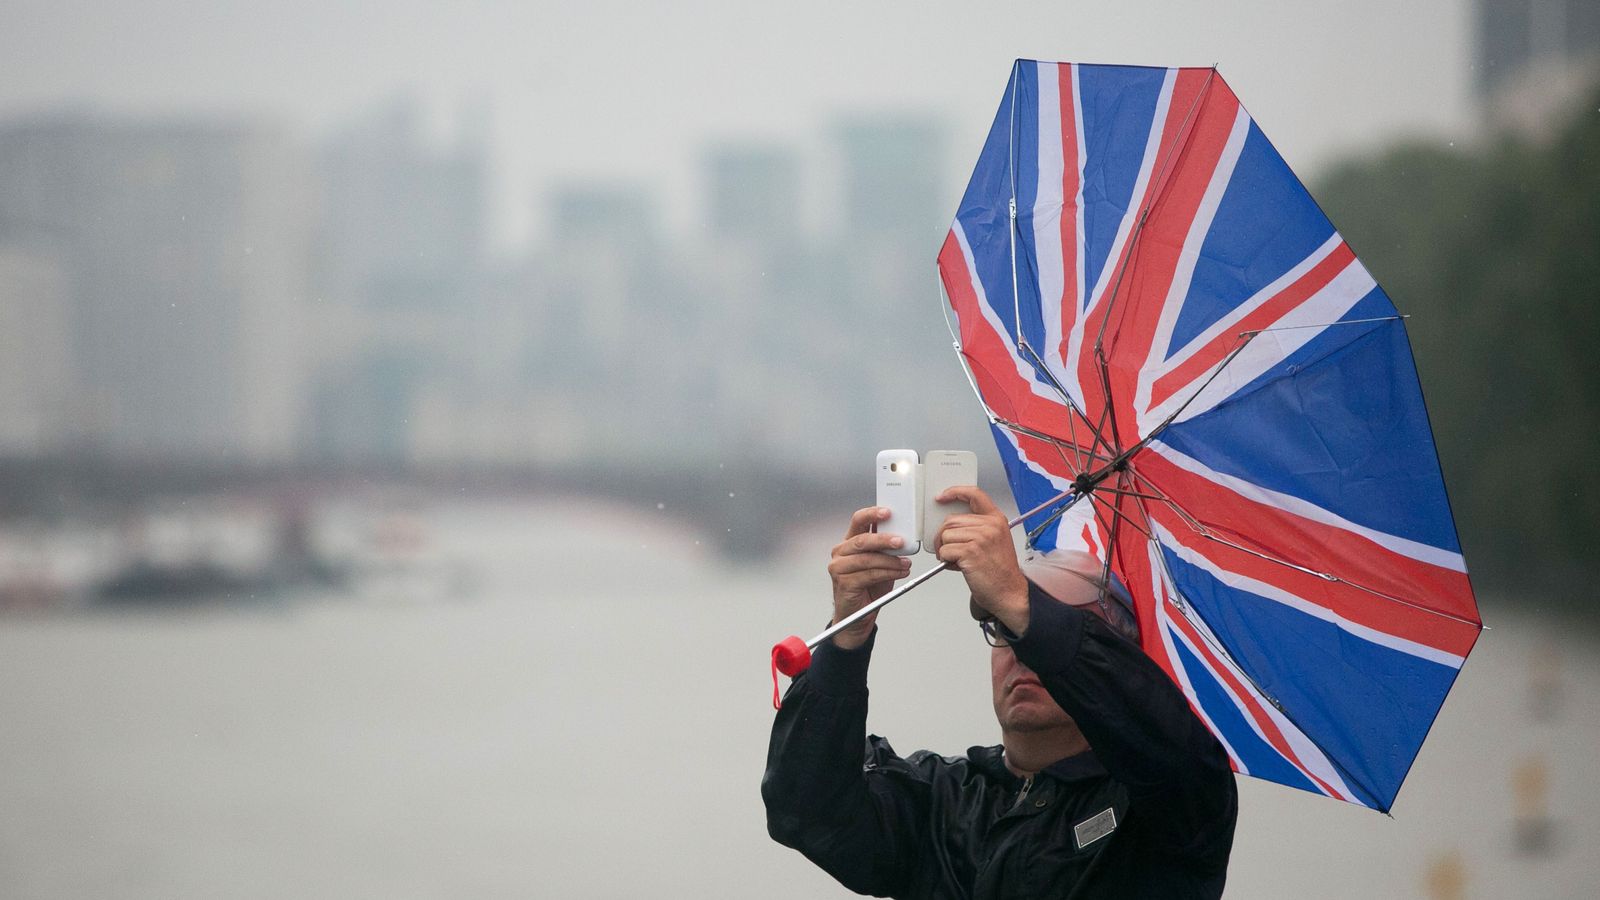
(1188, 372)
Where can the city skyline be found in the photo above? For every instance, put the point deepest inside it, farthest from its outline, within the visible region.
(218, 289)
(632, 92)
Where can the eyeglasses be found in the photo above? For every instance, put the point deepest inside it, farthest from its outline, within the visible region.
(994, 634)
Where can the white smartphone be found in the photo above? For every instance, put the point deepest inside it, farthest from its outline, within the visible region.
(899, 477)
(944, 469)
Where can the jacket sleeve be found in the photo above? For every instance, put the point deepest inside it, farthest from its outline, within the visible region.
(825, 788)
(1139, 725)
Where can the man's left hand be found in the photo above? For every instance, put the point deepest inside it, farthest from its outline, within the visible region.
(979, 544)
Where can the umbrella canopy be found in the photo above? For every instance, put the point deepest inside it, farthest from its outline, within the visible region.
(1153, 309)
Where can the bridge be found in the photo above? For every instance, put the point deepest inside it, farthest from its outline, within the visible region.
(741, 511)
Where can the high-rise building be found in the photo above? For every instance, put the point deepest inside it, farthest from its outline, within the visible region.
(893, 178)
(1535, 59)
(615, 214)
(753, 193)
(39, 406)
(181, 249)
(604, 241)
(401, 253)
(400, 214)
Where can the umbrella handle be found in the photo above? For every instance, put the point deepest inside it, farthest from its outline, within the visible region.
(791, 656)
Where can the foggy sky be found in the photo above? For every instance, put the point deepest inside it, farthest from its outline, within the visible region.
(633, 90)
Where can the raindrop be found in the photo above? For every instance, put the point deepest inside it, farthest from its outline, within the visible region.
(661, 506)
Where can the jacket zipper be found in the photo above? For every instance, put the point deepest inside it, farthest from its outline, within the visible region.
(1027, 785)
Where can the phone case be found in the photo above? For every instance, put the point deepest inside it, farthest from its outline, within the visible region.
(899, 480)
(944, 469)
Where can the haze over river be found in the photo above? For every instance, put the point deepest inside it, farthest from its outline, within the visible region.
(584, 713)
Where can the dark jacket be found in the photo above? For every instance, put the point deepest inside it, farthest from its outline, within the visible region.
(938, 827)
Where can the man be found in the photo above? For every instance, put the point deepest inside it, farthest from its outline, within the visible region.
(1105, 783)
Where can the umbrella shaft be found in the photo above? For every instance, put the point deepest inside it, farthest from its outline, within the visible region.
(874, 606)
(906, 588)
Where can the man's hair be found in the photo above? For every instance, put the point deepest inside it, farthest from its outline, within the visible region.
(1060, 573)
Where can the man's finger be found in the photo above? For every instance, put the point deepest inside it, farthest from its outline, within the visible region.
(871, 542)
(973, 529)
(972, 495)
(955, 553)
(862, 520)
(957, 535)
(865, 583)
(968, 520)
(867, 562)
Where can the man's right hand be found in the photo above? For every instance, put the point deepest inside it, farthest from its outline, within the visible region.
(862, 572)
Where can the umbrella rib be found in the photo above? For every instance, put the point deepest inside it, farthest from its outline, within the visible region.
(1328, 576)
(1101, 519)
(1135, 526)
(1124, 492)
(1056, 445)
(1105, 565)
(1162, 425)
(955, 342)
(1189, 612)
(1037, 530)
(1206, 531)
(1142, 529)
(1011, 230)
(1064, 460)
(1110, 410)
(1366, 321)
(1075, 413)
(1116, 508)
(1048, 437)
(1250, 335)
(1055, 514)
(1243, 340)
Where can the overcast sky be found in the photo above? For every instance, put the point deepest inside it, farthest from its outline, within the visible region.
(634, 90)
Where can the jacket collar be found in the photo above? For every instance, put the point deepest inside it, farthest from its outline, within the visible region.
(1075, 768)
(991, 762)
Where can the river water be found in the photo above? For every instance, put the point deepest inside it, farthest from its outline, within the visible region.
(586, 716)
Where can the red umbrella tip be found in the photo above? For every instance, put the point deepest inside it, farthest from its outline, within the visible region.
(791, 656)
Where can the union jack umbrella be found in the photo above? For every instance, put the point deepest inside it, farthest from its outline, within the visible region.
(1160, 320)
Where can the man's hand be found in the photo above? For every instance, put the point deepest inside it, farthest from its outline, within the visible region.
(862, 572)
(979, 544)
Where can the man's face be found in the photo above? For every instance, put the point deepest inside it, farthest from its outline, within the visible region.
(1020, 700)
